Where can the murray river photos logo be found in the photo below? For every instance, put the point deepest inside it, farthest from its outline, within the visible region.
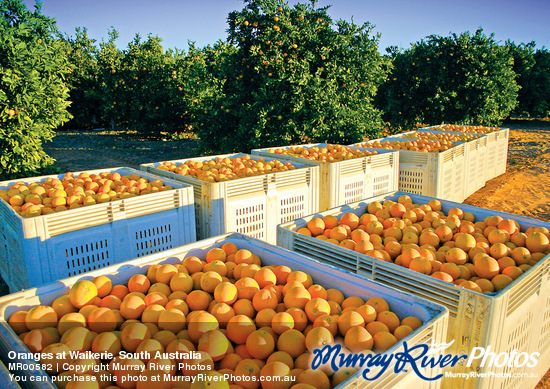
(416, 358)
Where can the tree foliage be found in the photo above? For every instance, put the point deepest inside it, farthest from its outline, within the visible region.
(33, 90)
(462, 78)
(297, 76)
(533, 69)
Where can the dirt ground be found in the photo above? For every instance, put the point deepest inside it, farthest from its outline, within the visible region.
(523, 190)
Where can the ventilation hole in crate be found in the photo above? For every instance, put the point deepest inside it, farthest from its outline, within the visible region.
(153, 240)
(250, 220)
(544, 337)
(519, 338)
(411, 181)
(291, 208)
(86, 257)
(353, 192)
(381, 185)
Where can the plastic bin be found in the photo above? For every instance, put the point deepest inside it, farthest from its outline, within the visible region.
(252, 205)
(497, 149)
(433, 315)
(42, 249)
(516, 317)
(476, 159)
(348, 181)
(6, 380)
(438, 175)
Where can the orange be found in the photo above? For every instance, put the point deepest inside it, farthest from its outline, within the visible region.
(384, 341)
(353, 301)
(247, 374)
(171, 320)
(300, 318)
(199, 323)
(390, 319)
(244, 307)
(132, 335)
(216, 254)
(63, 305)
(317, 379)
(335, 295)
(282, 272)
(37, 340)
(281, 322)
(41, 316)
(246, 288)
(316, 226)
(78, 339)
(103, 285)
(214, 343)
(181, 282)
(265, 316)
(330, 221)
(156, 298)
(349, 319)
(222, 312)
(132, 307)
(119, 291)
(102, 320)
(272, 370)
(318, 337)
(402, 332)
(198, 300)
(243, 256)
(376, 326)
(421, 265)
(201, 362)
(537, 242)
(193, 264)
(457, 256)
(260, 344)
(317, 290)
(82, 293)
(317, 307)
(106, 342)
(327, 321)
(297, 297)
(300, 276)
(486, 267)
(18, 324)
(225, 292)
(501, 281)
(264, 277)
(379, 304)
(264, 299)
(139, 283)
(367, 311)
(50, 360)
(239, 327)
(358, 339)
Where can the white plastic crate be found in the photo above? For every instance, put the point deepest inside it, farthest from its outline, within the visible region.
(251, 205)
(497, 150)
(476, 159)
(348, 181)
(517, 317)
(7, 382)
(438, 175)
(432, 331)
(42, 249)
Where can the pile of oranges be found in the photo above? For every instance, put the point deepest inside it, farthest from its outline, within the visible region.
(441, 136)
(225, 169)
(484, 256)
(54, 195)
(470, 129)
(421, 145)
(328, 153)
(229, 313)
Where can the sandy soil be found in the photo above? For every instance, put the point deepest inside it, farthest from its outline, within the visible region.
(523, 190)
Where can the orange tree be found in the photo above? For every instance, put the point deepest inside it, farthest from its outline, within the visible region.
(532, 67)
(296, 76)
(463, 79)
(33, 90)
(86, 102)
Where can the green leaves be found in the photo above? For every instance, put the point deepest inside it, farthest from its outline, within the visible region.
(464, 79)
(296, 76)
(33, 94)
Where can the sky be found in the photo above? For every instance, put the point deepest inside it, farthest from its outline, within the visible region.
(400, 22)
